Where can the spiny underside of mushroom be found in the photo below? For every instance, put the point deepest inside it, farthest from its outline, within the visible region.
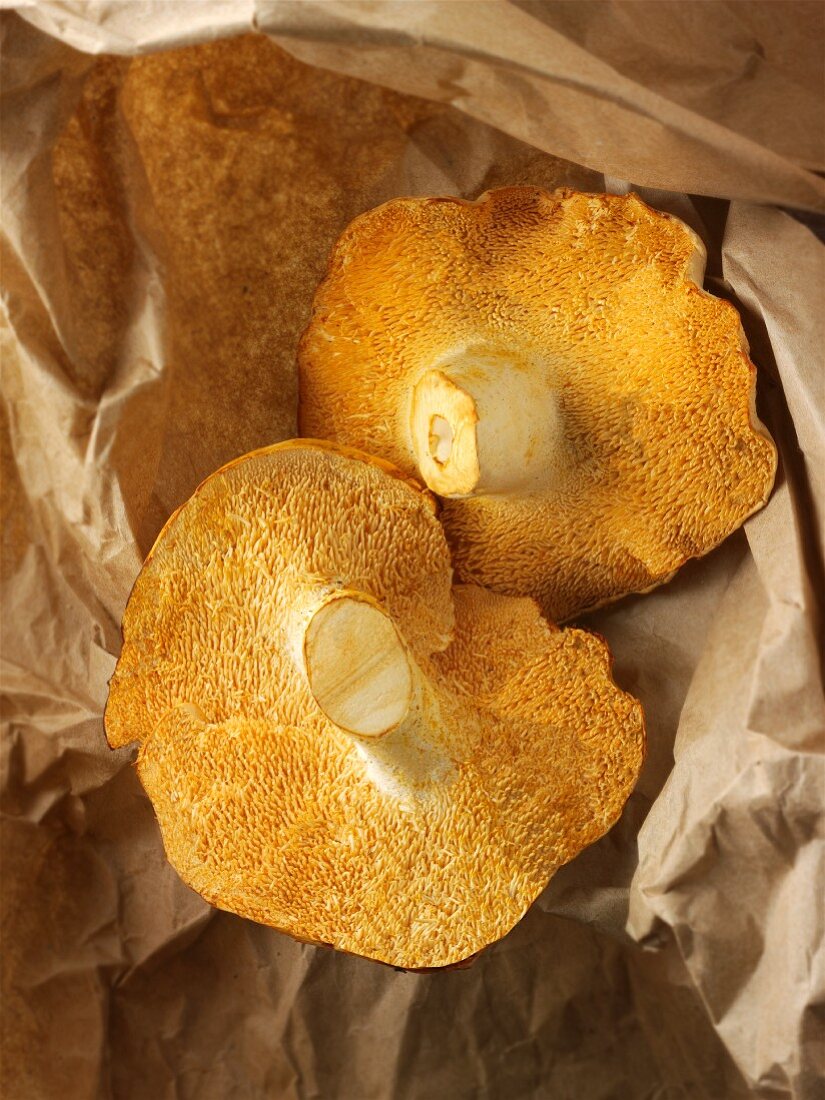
(338, 743)
(550, 366)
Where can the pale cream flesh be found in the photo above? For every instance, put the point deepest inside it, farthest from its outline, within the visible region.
(363, 679)
(487, 422)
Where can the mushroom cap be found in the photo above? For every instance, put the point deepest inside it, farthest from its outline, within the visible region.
(596, 298)
(519, 751)
(259, 544)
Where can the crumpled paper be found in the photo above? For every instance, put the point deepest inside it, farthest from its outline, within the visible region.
(165, 222)
(718, 98)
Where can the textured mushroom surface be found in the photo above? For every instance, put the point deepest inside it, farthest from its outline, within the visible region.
(417, 837)
(550, 365)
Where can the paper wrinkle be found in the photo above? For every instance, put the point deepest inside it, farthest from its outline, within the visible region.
(744, 63)
(135, 362)
(104, 26)
(573, 104)
(787, 676)
(775, 301)
(734, 822)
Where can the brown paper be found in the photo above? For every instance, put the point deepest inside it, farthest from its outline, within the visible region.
(166, 220)
(716, 98)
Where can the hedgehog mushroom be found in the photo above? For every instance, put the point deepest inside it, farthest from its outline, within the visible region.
(549, 364)
(339, 744)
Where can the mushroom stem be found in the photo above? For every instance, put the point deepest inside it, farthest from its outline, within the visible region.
(487, 423)
(357, 666)
(363, 680)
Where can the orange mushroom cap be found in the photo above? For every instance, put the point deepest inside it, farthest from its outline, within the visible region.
(549, 364)
(338, 744)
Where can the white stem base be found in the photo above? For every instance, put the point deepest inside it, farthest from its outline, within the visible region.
(362, 678)
(357, 666)
(485, 422)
